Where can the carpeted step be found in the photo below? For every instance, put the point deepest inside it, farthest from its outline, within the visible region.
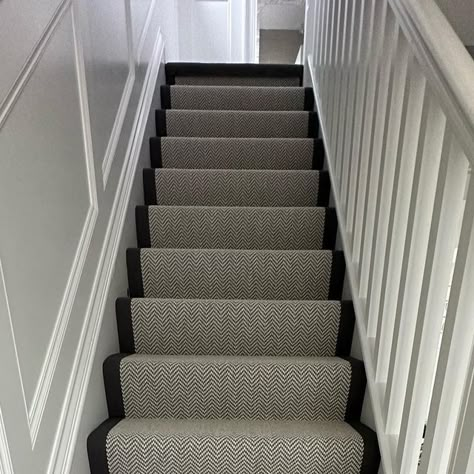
(235, 327)
(241, 188)
(234, 74)
(236, 98)
(163, 446)
(236, 274)
(236, 123)
(237, 153)
(273, 228)
(234, 387)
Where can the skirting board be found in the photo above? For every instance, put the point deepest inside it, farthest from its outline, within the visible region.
(63, 449)
(384, 443)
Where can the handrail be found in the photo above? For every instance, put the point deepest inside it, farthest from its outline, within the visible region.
(450, 65)
(397, 121)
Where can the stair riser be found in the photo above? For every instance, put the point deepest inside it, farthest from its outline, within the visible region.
(251, 328)
(235, 388)
(234, 74)
(249, 188)
(226, 274)
(211, 123)
(236, 98)
(236, 228)
(237, 153)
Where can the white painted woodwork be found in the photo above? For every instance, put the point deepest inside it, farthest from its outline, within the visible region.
(217, 30)
(393, 87)
(77, 82)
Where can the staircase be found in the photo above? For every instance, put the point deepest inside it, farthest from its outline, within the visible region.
(235, 344)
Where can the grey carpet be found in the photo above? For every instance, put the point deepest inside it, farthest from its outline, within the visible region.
(237, 153)
(234, 340)
(236, 98)
(257, 188)
(272, 228)
(236, 274)
(235, 327)
(236, 123)
(233, 446)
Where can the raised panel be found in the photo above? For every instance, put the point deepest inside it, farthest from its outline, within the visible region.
(6, 466)
(45, 203)
(107, 66)
(22, 24)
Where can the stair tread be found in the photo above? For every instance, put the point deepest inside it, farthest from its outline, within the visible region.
(235, 327)
(244, 387)
(229, 446)
(224, 427)
(244, 446)
(247, 274)
(241, 188)
(236, 153)
(221, 97)
(236, 123)
(236, 227)
(236, 360)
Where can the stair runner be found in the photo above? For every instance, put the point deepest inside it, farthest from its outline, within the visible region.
(235, 344)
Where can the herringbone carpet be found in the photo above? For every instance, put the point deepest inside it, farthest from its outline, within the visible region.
(235, 342)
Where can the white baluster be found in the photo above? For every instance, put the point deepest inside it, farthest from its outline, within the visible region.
(458, 337)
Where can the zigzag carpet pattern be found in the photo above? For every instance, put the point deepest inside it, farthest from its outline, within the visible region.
(237, 81)
(252, 188)
(236, 274)
(237, 123)
(236, 153)
(205, 387)
(235, 344)
(235, 327)
(272, 228)
(235, 98)
(231, 446)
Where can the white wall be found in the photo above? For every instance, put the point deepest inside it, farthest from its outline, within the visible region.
(274, 16)
(74, 98)
(460, 14)
(213, 30)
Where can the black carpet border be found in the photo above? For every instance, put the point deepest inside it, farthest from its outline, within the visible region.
(371, 456)
(308, 99)
(338, 269)
(142, 221)
(330, 228)
(156, 160)
(160, 122)
(165, 94)
(355, 398)
(228, 69)
(318, 154)
(134, 272)
(149, 186)
(346, 329)
(97, 446)
(113, 388)
(123, 312)
(313, 125)
(324, 188)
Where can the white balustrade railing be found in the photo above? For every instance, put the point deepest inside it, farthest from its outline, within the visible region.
(394, 88)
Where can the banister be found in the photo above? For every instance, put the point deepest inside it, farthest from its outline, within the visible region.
(449, 66)
(397, 120)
